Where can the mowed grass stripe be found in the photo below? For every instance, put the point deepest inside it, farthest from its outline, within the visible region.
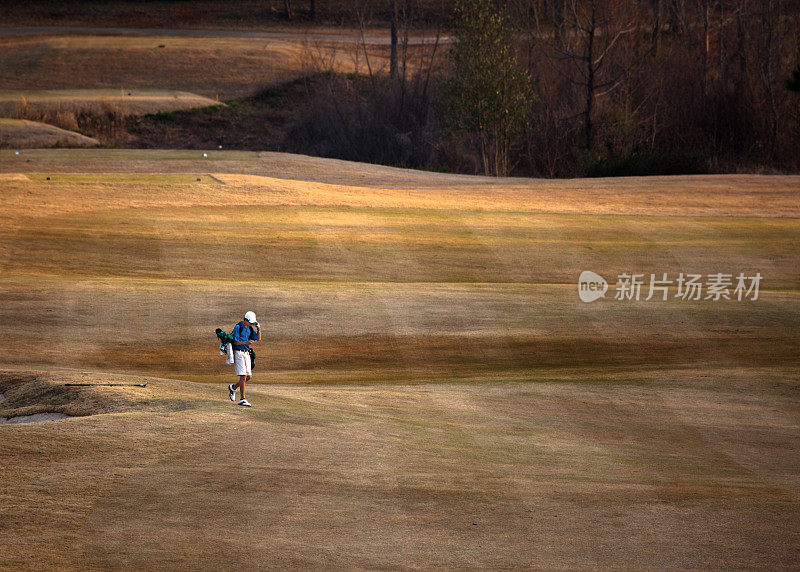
(574, 475)
(388, 332)
(98, 101)
(407, 284)
(406, 245)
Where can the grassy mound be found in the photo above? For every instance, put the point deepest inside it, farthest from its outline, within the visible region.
(79, 394)
(23, 134)
(217, 66)
(76, 101)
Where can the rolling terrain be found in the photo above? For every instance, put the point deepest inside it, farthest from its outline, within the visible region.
(127, 102)
(420, 277)
(24, 134)
(216, 64)
(430, 390)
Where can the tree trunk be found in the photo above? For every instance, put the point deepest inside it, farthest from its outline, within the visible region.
(558, 7)
(312, 10)
(768, 22)
(487, 170)
(656, 8)
(707, 50)
(287, 9)
(393, 54)
(590, 69)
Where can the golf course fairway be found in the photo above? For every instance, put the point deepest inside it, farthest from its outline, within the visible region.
(430, 391)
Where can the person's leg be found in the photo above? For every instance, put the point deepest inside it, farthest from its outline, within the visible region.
(241, 370)
(248, 364)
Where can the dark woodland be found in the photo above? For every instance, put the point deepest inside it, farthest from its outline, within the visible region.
(546, 88)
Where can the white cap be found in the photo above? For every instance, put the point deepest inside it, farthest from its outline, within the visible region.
(250, 317)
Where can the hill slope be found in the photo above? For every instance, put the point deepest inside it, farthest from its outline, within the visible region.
(120, 101)
(23, 134)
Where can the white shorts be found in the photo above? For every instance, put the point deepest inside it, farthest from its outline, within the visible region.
(241, 362)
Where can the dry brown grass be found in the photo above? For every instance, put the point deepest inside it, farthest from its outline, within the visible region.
(22, 134)
(570, 475)
(439, 277)
(215, 67)
(35, 104)
(432, 393)
(345, 183)
(67, 392)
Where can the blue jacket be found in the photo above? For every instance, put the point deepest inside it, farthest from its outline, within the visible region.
(242, 333)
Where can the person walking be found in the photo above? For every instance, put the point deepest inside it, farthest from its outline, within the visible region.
(245, 332)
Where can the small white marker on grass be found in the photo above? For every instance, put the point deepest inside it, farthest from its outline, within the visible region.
(205, 154)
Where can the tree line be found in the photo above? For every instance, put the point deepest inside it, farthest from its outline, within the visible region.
(562, 88)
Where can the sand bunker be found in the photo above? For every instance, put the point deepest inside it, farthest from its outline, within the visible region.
(30, 418)
(33, 418)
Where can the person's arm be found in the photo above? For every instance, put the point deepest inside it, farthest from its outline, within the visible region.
(258, 334)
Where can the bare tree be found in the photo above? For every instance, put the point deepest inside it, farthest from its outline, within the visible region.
(708, 8)
(594, 33)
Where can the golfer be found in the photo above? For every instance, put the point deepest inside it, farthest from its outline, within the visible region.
(243, 333)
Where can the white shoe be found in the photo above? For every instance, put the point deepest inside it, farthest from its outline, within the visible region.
(244, 403)
(231, 392)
